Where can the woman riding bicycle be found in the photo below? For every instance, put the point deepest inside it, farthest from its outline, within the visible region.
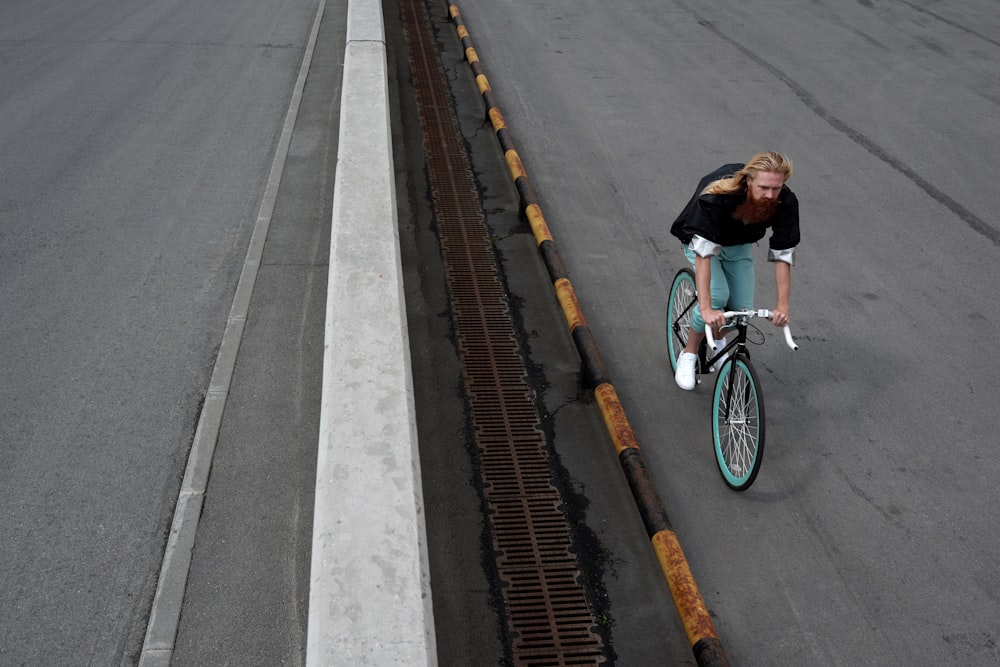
(732, 208)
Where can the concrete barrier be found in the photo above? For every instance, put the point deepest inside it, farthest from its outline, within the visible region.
(370, 596)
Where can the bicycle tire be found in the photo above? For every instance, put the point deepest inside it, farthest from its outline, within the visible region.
(738, 433)
(682, 294)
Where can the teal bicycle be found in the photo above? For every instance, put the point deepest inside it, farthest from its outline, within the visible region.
(737, 399)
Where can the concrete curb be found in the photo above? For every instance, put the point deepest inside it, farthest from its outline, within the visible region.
(370, 595)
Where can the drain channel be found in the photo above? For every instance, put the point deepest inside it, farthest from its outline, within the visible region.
(548, 616)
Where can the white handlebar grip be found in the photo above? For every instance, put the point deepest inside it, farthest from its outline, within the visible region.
(711, 338)
(788, 337)
(763, 312)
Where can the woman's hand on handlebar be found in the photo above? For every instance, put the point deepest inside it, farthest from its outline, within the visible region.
(713, 318)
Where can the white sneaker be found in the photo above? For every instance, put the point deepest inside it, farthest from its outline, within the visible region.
(685, 375)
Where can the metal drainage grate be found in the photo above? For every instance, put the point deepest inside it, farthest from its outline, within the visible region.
(549, 618)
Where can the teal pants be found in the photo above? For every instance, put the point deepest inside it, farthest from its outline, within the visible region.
(732, 280)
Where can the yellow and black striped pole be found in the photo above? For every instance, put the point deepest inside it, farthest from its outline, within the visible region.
(701, 632)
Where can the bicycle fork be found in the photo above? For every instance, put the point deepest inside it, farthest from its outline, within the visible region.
(739, 350)
(728, 418)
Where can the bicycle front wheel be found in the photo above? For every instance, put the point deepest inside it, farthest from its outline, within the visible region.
(679, 308)
(738, 423)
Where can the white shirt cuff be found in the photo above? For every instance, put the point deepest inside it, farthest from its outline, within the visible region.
(786, 256)
(703, 247)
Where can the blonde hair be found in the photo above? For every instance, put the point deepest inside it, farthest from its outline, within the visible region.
(737, 183)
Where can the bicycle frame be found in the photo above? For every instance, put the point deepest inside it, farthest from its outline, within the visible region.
(739, 343)
(704, 360)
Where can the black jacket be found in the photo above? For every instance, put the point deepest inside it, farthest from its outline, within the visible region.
(711, 217)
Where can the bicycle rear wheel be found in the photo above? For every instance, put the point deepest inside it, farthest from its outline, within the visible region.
(679, 308)
(738, 423)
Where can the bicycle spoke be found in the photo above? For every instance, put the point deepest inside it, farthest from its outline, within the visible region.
(741, 428)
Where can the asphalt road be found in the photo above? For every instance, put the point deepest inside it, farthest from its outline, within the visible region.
(136, 146)
(137, 140)
(868, 537)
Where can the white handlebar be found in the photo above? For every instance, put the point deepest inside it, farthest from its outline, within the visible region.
(711, 339)
(763, 312)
